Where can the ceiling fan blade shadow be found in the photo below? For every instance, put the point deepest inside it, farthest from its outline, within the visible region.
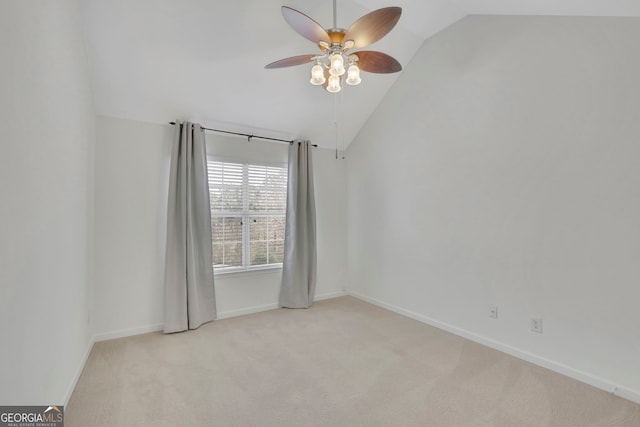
(377, 62)
(373, 26)
(291, 61)
(305, 26)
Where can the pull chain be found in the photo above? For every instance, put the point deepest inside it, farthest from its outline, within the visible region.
(335, 118)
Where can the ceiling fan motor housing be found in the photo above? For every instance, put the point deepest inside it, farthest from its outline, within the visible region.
(337, 35)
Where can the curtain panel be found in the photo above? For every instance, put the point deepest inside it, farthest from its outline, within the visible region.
(189, 286)
(299, 264)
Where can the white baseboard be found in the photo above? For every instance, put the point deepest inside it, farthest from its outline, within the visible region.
(128, 332)
(330, 295)
(627, 393)
(248, 310)
(552, 365)
(76, 377)
(222, 315)
(257, 309)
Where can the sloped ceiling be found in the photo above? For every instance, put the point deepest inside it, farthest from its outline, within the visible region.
(203, 60)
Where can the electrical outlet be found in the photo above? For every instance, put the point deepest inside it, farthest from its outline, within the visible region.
(493, 311)
(536, 325)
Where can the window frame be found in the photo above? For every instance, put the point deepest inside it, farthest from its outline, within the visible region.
(245, 268)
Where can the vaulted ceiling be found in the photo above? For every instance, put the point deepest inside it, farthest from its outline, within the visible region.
(203, 60)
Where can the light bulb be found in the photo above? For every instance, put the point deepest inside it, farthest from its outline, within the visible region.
(334, 84)
(353, 75)
(337, 65)
(317, 75)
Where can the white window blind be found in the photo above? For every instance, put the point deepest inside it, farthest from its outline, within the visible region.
(248, 204)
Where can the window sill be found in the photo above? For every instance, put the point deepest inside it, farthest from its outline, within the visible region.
(254, 271)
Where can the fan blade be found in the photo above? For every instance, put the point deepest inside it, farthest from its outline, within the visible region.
(373, 26)
(290, 62)
(377, 62)
(305, 26)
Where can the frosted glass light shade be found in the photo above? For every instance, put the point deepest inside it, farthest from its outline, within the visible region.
(337, 65)
(317, 75)
(353, 75)
(334, 84)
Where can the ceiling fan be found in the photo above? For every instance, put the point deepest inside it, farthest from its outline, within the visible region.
(335, 47)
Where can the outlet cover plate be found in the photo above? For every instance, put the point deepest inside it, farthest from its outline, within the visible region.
(493, 311)
(536, 324)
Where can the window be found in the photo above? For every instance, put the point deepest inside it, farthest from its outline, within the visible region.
(248, 204)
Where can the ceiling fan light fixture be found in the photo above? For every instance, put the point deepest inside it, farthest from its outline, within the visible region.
(335, 46)
(317, 75)
(334, 84)
(353, 75)
(337, 65)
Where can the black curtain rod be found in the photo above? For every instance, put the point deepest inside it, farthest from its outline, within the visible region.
(249, 137)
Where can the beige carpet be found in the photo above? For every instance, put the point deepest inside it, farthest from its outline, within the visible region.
(341, 363)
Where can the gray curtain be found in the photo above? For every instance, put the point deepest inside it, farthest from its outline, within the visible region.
(189, 288)
(299, 265)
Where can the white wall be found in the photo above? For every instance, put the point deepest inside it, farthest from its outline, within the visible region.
(132, 164)
(503, 168)
(132, 169)
(48, 136)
